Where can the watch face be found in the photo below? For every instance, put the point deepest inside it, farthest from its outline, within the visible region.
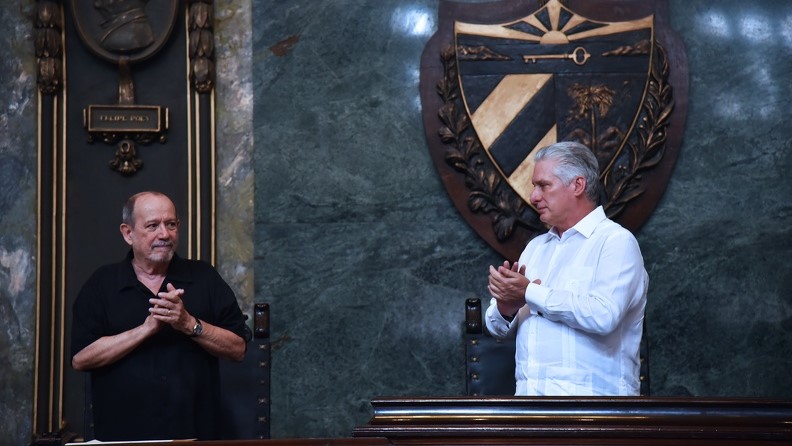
(198, 329)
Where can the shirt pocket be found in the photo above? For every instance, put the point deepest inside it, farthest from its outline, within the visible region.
(576, 279)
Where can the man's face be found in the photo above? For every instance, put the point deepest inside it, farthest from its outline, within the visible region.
(154, 234)
(554, 200)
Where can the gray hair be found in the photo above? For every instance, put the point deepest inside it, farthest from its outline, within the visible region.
(574, 160)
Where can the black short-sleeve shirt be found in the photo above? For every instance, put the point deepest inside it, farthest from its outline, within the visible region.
(168, 387)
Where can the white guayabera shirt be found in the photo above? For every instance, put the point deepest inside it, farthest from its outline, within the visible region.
(580, 332)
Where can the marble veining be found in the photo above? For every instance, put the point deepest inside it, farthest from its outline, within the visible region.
(17, 217)
(234, 115)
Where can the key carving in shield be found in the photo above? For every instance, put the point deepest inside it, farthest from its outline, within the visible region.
(503, 90)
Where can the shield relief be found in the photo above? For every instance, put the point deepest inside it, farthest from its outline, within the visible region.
(505, 89)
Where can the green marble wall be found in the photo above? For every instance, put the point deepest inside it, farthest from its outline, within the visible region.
(18, 174)
(367, 264)
(354, 243)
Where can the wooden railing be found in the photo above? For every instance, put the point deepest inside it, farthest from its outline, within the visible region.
(580, 421)
(611, 421)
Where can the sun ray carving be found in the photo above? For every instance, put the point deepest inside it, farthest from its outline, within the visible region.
(554, 35)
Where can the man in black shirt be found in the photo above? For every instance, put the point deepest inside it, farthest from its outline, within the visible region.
(151, 328)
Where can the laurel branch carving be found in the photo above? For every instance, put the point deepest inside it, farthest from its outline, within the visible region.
(621, 179)
(489, 193)
(201, 45)
(48, 30)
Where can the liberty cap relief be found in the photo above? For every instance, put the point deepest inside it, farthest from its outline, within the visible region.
(125, 27)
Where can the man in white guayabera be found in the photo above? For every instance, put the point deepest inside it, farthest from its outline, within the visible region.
(575, 299)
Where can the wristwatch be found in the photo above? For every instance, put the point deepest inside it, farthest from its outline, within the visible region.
(197, 329)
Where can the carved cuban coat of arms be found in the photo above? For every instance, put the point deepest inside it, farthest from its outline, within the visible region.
(498, 92)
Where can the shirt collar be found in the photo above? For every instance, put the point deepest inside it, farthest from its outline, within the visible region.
(587, 224)
(126, 274)
(178, 272)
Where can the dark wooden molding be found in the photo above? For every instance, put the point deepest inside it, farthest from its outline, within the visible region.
(572, 420)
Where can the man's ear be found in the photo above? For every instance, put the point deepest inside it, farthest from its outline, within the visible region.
(580, 186)
(125, 232)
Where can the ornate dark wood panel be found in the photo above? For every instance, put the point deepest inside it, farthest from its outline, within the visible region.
(126, 103)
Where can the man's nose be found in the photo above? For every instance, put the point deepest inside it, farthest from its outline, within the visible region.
(162, 231)
(535, 195)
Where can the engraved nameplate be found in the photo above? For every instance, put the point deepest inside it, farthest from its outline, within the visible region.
(125, 118)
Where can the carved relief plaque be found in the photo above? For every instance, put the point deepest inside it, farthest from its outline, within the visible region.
(124, 32)
(509, 78)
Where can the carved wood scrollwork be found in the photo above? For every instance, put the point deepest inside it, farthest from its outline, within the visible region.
(48, 32)
(201, 35)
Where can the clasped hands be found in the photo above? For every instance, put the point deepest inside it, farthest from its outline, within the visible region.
(507, 284)
(168, 308)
